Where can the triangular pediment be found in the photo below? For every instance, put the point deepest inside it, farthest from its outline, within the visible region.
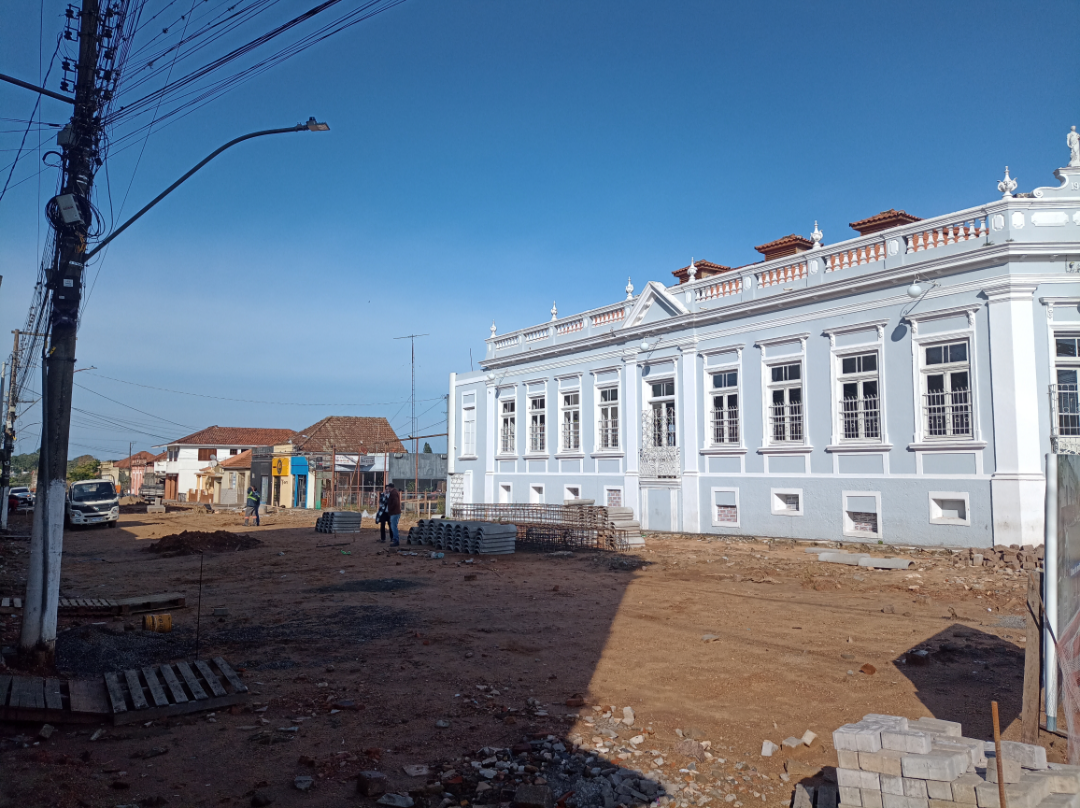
(653, 305)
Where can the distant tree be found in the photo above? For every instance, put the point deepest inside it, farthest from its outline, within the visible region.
(427, 448)
(83, 468)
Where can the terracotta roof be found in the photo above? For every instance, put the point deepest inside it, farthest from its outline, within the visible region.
(239, 461)
(883, 221)
(783, 247)
(161, 456)
(139, 458)
(705, 269)
(236, 436)
(348, 433)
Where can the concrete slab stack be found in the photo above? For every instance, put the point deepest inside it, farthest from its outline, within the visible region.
(483, 538)
(339, 522)
(887, 761)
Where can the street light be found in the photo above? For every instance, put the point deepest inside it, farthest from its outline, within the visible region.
(311, 126)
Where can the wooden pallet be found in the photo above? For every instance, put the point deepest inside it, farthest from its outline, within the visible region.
(136, 605)
(154, 691)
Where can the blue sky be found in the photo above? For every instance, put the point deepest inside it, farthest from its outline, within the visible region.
(486, 158)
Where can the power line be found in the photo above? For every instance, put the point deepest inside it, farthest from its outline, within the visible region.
(254, 401)
(122, 404)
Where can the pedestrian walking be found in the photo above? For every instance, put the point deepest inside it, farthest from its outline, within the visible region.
(393, 508)
(252, 510)
(382, 518)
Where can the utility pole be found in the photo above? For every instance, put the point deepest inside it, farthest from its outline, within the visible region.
(70, 214)
(412, 400)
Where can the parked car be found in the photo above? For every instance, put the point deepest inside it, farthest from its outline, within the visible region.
(91, 502)
(20, 498)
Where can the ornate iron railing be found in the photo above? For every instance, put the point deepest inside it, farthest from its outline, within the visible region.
(1065, 418)
(725, 426)
(948, 414)
(786, 423)
(862, 418)
(659, 455)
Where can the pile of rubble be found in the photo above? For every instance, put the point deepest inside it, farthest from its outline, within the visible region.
(1013, 557)
(888, 762)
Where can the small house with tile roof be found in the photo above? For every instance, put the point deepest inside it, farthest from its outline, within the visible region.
(186, 457)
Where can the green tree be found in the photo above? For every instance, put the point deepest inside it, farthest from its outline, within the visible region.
(84, 467)
(427, 448)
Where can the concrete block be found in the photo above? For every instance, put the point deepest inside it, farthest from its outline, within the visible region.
(1029, 756)
(953, 743)
(886, 563)
(891, 721)
(847, 759)
(870, 798)
(942, 766)
(1061, 801)
(915, 788)
(1010, 770)
(1061, 780)
(850, 796)
(887, 761)
(937, 790)
(861, 737)
(963, 788)
(855, 778)
(916, 743)
(1063, 786)
(893, 801)
(924, 724)
(891, 784)
(804, 797)
(942, 803)
(1028, 793)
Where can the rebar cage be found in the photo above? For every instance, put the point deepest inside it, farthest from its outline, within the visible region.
(551, 526)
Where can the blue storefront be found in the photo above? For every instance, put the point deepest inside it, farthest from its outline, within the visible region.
(299, 469)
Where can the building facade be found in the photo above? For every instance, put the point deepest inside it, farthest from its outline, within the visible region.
(185, 458)
(903, 385)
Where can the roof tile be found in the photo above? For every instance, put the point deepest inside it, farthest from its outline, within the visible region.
(236, 436)
(348, 433)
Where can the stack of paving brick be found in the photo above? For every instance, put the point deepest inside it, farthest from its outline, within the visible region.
(1014, 557)
(889, 762)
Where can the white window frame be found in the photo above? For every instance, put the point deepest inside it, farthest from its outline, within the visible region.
(712, 507)
(468, 437)
(531, 447)
(859, 377)
(622, 496)
(919, 342)
(1066, 402)
(506, 493)
(564, 410)
(849, 525)
(601, 405)
(566, 492)
(775, 498)
(938, 519)
(769, 386)
(664, 403)
(503, 419)
(710, 393)
(536, 490)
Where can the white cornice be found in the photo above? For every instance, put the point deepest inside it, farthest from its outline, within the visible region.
(765, 343)
(847, 329)
(938, 314)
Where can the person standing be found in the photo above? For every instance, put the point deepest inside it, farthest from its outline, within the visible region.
(393, 509)
(252, 510)
(382, 518)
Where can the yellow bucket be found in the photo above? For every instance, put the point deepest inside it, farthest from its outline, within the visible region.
(157, 622)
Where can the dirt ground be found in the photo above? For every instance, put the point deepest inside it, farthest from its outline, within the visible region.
(727, 641)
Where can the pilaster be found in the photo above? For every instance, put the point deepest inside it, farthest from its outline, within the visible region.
(690, 406)
(1017, 485)
(632, 423)
(490, 446)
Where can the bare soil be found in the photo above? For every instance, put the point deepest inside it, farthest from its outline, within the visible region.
(727, 641)
(190, 542)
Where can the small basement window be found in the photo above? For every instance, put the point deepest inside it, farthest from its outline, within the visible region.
(787, 502)
(950, 508)
(725, 507)
(862, 514)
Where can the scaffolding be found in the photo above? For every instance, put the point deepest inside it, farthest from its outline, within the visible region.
(559, 527)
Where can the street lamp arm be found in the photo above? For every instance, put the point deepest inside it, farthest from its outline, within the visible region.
(310, 126)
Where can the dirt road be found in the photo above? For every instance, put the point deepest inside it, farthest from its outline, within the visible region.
(732, 642)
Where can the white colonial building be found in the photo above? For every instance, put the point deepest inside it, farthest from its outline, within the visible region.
(902, 385)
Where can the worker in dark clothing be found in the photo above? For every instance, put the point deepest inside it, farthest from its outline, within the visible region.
(382, 518)
(393, 508)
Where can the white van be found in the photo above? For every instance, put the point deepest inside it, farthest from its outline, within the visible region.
(91, 502)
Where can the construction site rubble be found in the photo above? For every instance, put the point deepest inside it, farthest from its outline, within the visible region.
(1013, 557)
(484, 538)
(887, 761)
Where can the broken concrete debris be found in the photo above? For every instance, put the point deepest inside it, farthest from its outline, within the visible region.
(890, 762)
(768, 748)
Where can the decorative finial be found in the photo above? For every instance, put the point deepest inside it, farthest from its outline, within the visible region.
(1073, 141)
(817, 235)
(629, 289)
(554, 312)
(493, 328)
(1007, 185)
